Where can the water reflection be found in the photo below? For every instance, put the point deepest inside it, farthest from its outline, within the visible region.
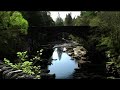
(63, 66)
(59, 52)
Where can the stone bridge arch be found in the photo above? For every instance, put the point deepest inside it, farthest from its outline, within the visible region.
(39, 36)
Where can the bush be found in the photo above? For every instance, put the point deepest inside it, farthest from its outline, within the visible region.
(18, 22)
(25, 65)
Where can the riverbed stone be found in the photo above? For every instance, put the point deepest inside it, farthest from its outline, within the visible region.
(79, 51)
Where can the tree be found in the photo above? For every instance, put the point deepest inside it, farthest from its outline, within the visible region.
(18, 22)
(4, 19)
(38, 18)
(108, 23)
(84, 18)
(82, 21)
(48, 21)
(12, 26)
(74, 21)
(13, 20)
(111, 21)
(59, 21)
(68, 20)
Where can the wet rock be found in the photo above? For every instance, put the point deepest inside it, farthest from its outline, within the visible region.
(77, 52)
(81, 76)
(16, 75)
(72, 58)
(9, 70)
(49, 63)
(84, 62)
(112, 70)
(24, 76)
(5, 68)
(1, 66)
(47, 76)
(77, 77)
(64, 49)
(10, 74)
(70, 54)
(84, 58)
(45, 71)
(77, 70)
(21, 77)
(80, 51)
(97, 77)
(28, 77)
(5, 72)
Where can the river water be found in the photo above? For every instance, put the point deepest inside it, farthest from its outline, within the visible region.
(62, 64)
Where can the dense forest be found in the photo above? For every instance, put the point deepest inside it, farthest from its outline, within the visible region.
(104, 40)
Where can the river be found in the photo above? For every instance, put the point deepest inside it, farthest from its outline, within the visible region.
(62, 64)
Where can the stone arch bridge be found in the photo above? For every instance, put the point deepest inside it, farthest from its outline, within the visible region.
(81, 31)
(43, 35)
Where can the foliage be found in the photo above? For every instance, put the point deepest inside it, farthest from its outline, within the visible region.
(4, 19)
(95, 21)
(108, 33)
(59, 21)
(25, 65)
(22, 55)
(85, 18)
(18, 22)
(8, 62)
(106, 41)
(37, 57)
(13, 28)
(111, 21)
(68, 20)
(75, 38)
(13, 20)
(38, 18)
(13, 23)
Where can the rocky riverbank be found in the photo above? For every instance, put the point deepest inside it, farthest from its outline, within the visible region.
(86, 70)
(77, 52)
(112, 71)
(44, 70)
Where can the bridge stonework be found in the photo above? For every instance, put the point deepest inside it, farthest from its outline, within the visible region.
(82, 31)
(43, 35)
